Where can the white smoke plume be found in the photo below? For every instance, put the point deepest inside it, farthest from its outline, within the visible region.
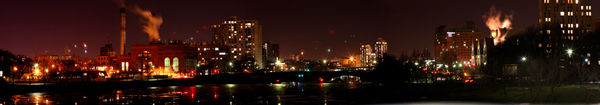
(152, 23)
(495, 23)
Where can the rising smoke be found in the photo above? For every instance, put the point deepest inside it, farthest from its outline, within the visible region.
(152, 23)
(496, 22)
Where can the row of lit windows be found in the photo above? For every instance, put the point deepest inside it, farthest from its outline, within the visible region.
(586, 7)
(568, 13)
(548, 19)
(587, 13)
(547, 45)
(567, 31)
(568, 1)
(215, 58)
(569, 37)
(570, 25)
(220, 53)
(571, 14)
(204, 49)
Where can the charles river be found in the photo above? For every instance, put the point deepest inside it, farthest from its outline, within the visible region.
(344, 90)
(277, 93)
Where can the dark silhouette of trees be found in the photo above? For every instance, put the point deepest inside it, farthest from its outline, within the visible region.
(7, 60)
(391, 70)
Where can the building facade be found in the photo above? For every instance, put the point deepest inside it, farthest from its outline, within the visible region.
(242, 37)
(270, 54)
(381, 47)
(171, 58)
(212, 54)
(563, 23)
(367, 56)
(464, 46)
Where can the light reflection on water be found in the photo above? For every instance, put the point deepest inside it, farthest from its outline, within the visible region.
(275, 93)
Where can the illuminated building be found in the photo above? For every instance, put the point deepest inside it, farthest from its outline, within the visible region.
(270, 54)
(563, 23)
(62, 63)
(103, 60)
(211, 54)
(298, 57)
(174, 57)
(107, 50)
(381, 47)
(460, 46)
(367, 57)
(242, 37)
(107, 53)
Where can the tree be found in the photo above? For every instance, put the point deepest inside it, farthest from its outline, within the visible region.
(391, 70)
(7, 60)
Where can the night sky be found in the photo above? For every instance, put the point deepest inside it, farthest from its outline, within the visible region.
(31, 27)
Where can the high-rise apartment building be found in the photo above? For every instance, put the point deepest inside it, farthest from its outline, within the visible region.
(367, 57)
(242, 37)
(381, 47)
(563, 22)
(270, 54)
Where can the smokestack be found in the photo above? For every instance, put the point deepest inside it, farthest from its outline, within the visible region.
(123, 33)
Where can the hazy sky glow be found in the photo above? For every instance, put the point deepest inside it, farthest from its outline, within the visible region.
(33, 27)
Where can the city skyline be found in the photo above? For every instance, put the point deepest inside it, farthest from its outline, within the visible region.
(320, 25)
(288, 52)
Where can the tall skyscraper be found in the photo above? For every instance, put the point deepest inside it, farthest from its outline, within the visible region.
(381, 47)
(563, 23)
(270, 54)
(242, 37)
(367, 57)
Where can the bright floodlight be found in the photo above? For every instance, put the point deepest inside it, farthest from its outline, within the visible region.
(569, 52)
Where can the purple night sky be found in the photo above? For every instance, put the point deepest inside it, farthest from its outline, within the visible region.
(31, 27)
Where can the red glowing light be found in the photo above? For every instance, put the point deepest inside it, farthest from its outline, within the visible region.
(321, 80)
(204, 27)
(332, 32)
(277, 80)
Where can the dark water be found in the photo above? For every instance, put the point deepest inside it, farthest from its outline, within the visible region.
(272, 94)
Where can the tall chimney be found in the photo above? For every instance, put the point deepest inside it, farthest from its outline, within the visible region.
(123, 33)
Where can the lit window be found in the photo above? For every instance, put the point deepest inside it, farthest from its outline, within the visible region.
(167, 63)
(562, 13)
(216, 49)
(175, 64)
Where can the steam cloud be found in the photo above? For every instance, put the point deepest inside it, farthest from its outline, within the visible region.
(494, 23)
(152, 23)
